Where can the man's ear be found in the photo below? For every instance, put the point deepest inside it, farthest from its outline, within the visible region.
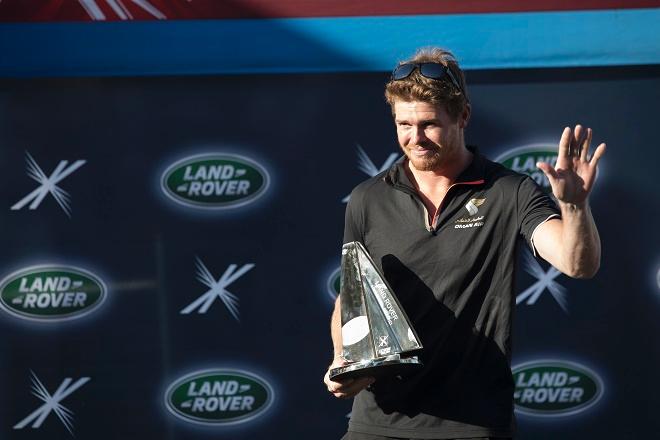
(464, 117)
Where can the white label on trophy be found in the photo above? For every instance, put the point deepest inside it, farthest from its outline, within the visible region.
(411, 336)
(355, 330)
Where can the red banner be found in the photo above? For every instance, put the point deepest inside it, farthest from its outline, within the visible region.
(119, 10)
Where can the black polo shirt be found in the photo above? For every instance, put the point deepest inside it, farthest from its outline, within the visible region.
(455, 280)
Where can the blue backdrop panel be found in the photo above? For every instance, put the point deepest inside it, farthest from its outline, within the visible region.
(342, 44)
(275, 255)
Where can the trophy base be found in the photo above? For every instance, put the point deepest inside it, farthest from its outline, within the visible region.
(380, 367)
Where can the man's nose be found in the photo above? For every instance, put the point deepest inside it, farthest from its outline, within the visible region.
(417, 135)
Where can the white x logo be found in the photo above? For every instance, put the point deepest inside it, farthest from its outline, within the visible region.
(217, 289)
(382, 341)
(95, 12)
(367, 166)
(52, 403)
(48, 184)
(546, 280)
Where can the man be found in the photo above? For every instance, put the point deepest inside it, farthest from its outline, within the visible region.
(442, 225)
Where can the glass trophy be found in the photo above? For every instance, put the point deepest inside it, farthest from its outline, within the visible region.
(377, 337)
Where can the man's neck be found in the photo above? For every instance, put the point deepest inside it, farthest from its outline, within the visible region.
(432, 186)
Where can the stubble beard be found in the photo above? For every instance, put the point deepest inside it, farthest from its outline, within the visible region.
(430, 162)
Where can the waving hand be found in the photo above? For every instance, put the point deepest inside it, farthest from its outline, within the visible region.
(575, 172)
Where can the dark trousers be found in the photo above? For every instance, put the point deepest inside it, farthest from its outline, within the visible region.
(359, 436)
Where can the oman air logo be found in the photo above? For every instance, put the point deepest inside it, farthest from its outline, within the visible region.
(524, 159)
(471, 221)
(217, 289)
(51, 293)
(219, 397)
(48, 185)
(369, 168)
(473, 205)
(555, 388)
(52, 403)
(545, 280)
(215, 181)
(334, 283)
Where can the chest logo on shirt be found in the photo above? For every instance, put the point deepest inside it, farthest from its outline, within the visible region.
(473, 205)
(471, 221)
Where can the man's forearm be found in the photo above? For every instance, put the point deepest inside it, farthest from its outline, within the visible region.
(335, 329)
(580, 241)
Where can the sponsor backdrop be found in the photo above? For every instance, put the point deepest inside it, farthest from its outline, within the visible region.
(171, 244)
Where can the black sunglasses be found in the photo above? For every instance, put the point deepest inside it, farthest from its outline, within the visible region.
(429, 70)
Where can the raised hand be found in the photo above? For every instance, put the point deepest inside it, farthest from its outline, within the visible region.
(574, 174)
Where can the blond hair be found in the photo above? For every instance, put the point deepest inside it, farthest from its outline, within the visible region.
(417, 87)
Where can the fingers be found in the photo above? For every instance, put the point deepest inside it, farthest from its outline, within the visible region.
(584, 146)
(547, 169)
(575, 141)
(575, 144)
(348, 388)
(564, 144)
(583, 139)
(578, 144)
(600, 150)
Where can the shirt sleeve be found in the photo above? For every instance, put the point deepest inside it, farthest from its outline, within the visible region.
(353, 230)
(535, 207)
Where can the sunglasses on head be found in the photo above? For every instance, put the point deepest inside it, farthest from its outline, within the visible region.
(429, 70)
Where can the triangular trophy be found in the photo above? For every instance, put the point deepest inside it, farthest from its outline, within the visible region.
(377, 337)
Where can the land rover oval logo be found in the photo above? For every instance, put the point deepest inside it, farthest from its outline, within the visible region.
(51, 293)
(555, 388)
(524, 159)
(215, 181)
(219, 397)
